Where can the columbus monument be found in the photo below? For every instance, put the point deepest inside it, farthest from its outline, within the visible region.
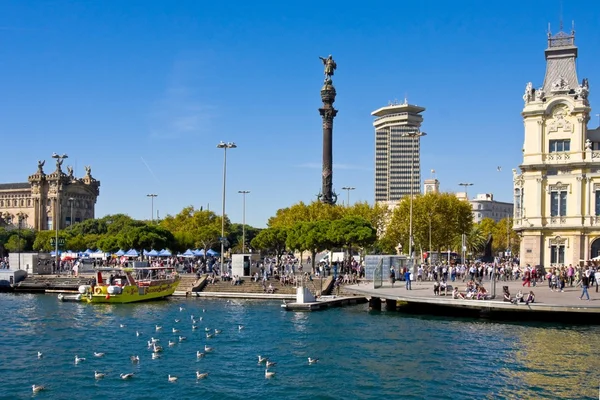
(328, 113)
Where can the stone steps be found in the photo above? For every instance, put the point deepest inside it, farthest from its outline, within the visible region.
(248, 286)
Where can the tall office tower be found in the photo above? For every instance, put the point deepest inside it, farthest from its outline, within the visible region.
(397, 147)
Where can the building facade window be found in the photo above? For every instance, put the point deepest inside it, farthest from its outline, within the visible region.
(49, 223)
(557, 254)
(518, 203)
(597, 202)
(560, 145)
(558, 203)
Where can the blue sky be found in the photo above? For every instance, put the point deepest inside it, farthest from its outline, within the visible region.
(144, 90)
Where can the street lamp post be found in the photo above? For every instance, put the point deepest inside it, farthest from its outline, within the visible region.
(348, 189)
(20, 217)
(244, 193)
(224, 146)
(466, 185)
(59, 160)
(71, 200)
(413, 135)
(152, 196)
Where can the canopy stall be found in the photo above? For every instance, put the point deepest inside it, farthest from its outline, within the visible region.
(132, 253)
(165, 253)
(120, 253)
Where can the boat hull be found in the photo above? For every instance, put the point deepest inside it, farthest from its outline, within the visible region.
(131, 294)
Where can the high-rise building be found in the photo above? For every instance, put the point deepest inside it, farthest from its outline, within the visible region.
(397, 149)
(557, 190)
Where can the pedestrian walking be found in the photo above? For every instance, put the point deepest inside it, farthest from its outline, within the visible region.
(407, 277)
(585, 282)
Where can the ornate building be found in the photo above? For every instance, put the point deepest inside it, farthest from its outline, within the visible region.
(48, 198)
(557, 192)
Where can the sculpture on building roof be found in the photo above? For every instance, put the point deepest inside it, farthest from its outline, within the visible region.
(540, 94)
(560, 84)
(70, 171)
(88, 170)
(41, 166)
(529, 93)
(59, 162)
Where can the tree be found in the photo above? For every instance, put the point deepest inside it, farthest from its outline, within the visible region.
(503, 231)
(313, 236)
(315, 211)
(236, 234)
(272, 240)
(352, 231)
(195, 228)
(447, 216)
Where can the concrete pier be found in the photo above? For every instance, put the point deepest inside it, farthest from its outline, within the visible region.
(554, 306)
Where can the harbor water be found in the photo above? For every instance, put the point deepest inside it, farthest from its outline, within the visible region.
(362, 354)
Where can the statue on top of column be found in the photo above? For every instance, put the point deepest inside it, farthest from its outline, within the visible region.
(330, 67)
(40, 169)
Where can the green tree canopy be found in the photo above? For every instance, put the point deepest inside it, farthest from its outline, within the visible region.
(272, 240)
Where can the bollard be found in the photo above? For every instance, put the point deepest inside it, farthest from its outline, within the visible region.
(375, 303)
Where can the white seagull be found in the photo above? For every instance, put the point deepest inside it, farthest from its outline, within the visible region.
(155, 356)
(180, 308)
(177, 320)
(135, 359)
(199, 354)
(208, 336)
(269, 374)
(126, 376)
(40, 354)
(207, 349)
(206, 329)
(203, 310)
(182, 338)
(172, 378)
(240, 327)
(171, 344)
(194, 321)
(499, 168)
(262, 359)
(122, 326)
(217, 331)
(175, 330)
(158, 328)
(156, 348)
(79, 359)
(201, 375)
(194, 327)
(98, 354)
(313, 360)
(99, 375)
(154, 340)
(37, 388)
(270, 364)
(137, 333)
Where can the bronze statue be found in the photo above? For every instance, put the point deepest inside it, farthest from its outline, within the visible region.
(59, 162)
(88, 170)
(330, 67)
(70, 170)
(41, 166)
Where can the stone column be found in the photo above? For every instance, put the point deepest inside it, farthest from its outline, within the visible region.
(328, 113)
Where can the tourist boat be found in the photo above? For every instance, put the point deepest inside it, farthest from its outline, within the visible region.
(128, 285)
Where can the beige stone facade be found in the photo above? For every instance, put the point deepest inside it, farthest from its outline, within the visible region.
(46, 198)
(557, 190)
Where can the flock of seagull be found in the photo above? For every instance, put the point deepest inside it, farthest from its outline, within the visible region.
(153, 345)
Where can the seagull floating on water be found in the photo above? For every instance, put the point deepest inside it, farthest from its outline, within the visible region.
(177, 320)
(208, 336)
(199, 354)
(135, 359)
(158, 328)
(203, 310)
(40, 354)
(270, 364)
(313, 360)
(201, 375)
(172, 378)
(99, 375)
(269, 374)
(153, 340)
(181, 309)
(155, 356)
(137, 333)
(37, 388)
(156, 348)
(175, 330)
(122, 326)
(171, 344)
(194, 327)
(182, 338)
(262, 359)
(79, 359)
(207, 349)
(98, 354)
(126, 376)
(240, 327)
(217, 331)
(194, 321)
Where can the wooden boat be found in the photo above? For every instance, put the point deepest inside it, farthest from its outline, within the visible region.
(129, 285)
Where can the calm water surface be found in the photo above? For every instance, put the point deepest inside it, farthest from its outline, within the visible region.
(362, 355)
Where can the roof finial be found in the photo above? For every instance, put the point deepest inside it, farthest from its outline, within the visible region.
(573, 27)
(561, 16)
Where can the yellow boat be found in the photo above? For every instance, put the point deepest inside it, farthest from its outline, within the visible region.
(129, 285)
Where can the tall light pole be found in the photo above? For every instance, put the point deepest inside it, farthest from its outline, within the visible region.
(414, 135)
(71, 200)
(20, 217)
(348, 189)
(224, 146)
(466, 185)
(59, 160)
(244, 193)
(152, 196)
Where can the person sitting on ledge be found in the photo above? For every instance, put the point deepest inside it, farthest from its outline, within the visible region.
(443, 288)
(506, 294)
(436, 288)
(530, 298)
(481, 293)
(270, 289)
(456, 294)
(519, 297)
